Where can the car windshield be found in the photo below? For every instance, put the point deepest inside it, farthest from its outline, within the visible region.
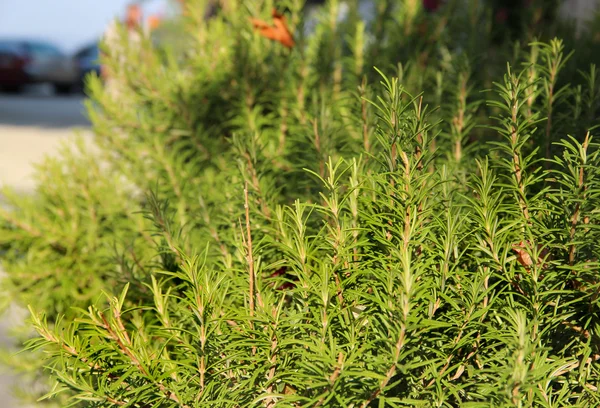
(11, 47)
(88, 52)
(42, 48)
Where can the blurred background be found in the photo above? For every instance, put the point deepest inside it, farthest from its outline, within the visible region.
(46, 50)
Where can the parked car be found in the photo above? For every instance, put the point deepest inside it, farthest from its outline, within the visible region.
(88, 61)
(24, 62)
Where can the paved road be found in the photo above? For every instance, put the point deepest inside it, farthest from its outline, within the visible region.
(31, 126)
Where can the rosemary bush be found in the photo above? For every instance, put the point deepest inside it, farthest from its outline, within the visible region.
(261, 225)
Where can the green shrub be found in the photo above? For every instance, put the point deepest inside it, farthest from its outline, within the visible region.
(293, 228)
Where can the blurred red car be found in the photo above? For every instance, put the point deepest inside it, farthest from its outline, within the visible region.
(24, 62)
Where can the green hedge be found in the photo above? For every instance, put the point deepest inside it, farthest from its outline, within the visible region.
(257, 225)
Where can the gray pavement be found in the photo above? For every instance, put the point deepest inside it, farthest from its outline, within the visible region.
(32, 125)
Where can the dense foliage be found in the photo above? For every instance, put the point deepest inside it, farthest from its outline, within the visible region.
(262, 225)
